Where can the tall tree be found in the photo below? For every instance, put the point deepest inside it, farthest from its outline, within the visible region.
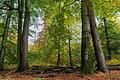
(107, 39)
(24, 54)
(19, 44)
(23, 31)
(70, 54)
(60, 24)
(85, 36)
(5, 34)
(58, 59)
(96, 41)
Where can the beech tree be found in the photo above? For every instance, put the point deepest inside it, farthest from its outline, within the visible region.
(86, 39)
(95, 38)
(23, 31)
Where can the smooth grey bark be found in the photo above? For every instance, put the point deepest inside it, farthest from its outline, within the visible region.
(23, 30)
(107, 39)
(4, 36)
(95, 38)
(86, 38)
(24, 54)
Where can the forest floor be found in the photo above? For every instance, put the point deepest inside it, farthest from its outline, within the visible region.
(57, 74)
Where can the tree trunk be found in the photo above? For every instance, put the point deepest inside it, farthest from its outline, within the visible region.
(4, 37)
(23, 35)
(58, 60)
(70, 55)
(83, 45)
(63, 55)
(24, 54)
(19, 44)
(107, 39)
(85, 36)
(96, 41)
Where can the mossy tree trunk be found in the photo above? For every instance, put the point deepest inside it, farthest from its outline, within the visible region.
(86, 38)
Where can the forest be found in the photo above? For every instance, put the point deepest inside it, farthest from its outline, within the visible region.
(59, 39)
